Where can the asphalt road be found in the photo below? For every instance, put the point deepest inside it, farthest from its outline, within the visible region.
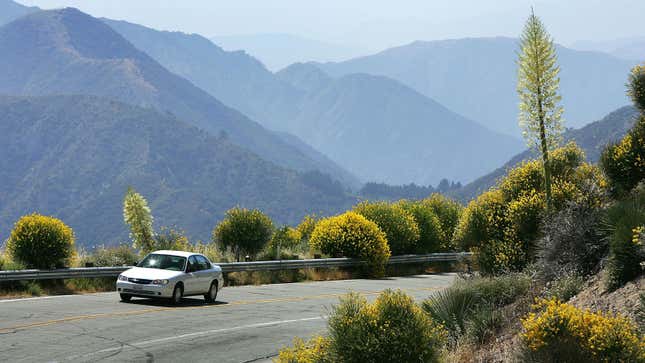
(247, 324)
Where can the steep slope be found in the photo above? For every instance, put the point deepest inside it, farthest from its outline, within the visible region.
(477, 78)
(236, 78)
(69, 52)
(74, 156)
(592, 138)
(386, 132)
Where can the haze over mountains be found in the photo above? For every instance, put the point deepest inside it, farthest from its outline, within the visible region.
(351, 122)
(277, 51)
(477, 78)
(69, 52)
(74, 157)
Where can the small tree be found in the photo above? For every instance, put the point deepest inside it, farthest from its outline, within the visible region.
(41, 242)
(538, 84)
(285, 237)
(136, 214)
(244, 231)
(171, 239)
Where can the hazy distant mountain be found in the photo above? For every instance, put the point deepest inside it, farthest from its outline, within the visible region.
(386, 132)
(477, 78)
(69, 52)
(235, 78)
(277, 51)
(289, 101)
(10, 11)
(592, 138)
(632, 49)
(74, 157)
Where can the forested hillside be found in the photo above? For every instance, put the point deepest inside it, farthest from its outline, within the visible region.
(74, 157)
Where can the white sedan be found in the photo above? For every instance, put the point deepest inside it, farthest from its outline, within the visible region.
(171, 274)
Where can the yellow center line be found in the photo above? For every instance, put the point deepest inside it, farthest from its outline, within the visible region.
(155, 310)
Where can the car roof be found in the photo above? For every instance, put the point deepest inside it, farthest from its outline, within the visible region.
(176, 253)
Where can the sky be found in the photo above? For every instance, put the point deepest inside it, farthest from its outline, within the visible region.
(373, 24)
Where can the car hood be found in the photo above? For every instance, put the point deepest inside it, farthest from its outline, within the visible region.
(150, 273)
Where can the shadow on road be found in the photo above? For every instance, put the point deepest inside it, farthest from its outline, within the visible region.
(166, 303)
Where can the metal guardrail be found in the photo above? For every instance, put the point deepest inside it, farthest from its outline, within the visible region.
(93, 272)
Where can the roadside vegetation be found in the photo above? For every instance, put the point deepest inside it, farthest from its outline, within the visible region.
(551, 240)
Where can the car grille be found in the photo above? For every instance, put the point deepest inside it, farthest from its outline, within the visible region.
(140, 281)
(139, 292)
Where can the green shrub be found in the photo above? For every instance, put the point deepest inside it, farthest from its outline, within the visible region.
(244, 231)
(448, 211)
(624, 222)
(430, 233)
(33, 288)
(285, 237)
(122, 255)
(572, 241)
(566, 287)
(469, 305)
(452, 307)
(636, 87)
(624, 162)
(2, 261)
(399, 225)
(171, 239)
(559, 332)
(392, 329)
(41, 242)
(484, 324)
(352, 235)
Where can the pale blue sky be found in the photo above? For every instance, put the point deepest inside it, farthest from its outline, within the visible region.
(374, 24)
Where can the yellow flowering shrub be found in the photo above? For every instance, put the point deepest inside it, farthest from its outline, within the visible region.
(624, 161)
(502, 224)
(316, 350)
(391, 329)
(352, 235)
(562, 332)
(39, 241)
(399, 225)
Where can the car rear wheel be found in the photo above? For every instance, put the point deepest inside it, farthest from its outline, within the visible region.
(211, 296)
(177, 294)
(126, 297)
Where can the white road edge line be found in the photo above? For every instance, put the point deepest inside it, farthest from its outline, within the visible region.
(144, 343)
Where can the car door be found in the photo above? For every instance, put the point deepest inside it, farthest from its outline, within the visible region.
(204, 273)
(191, 282)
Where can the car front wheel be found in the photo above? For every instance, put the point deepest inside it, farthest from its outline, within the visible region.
(177, 294)
(211, 296)
(126, 297)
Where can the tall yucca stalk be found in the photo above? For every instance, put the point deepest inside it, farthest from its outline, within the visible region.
(538, 84)
(136, 214)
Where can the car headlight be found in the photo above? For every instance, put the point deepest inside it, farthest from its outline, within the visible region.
(122, 278)
(160, 282)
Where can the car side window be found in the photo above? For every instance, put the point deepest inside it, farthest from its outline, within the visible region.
(192, 264)
(203, 263)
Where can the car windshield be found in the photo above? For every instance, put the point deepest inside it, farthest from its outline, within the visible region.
(163, 262)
